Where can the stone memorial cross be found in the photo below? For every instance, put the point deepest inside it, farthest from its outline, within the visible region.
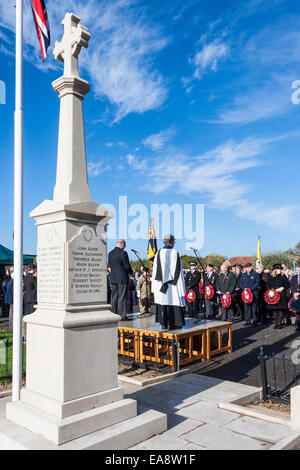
(67, 50)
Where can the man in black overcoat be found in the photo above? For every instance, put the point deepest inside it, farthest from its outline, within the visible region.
(226, 283)
(119, 277)
(192, 280)
(30, 289)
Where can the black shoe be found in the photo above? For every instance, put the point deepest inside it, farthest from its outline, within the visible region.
(246, 324)
(275, 327)
(254, 323)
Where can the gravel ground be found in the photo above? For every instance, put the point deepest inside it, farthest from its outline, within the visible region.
(243, 364)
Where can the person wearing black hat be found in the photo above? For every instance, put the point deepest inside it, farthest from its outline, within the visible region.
(277, 281)
(210, 279)
(143, 289)
(168, 286)
(192, 280)
(295, 288)
(250, 280)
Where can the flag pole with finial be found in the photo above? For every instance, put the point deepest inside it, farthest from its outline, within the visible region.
(18, 209)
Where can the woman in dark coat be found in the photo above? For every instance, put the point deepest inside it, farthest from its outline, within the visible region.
(131, 295)
(281, 284)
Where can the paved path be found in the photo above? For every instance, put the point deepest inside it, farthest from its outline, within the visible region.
(242, 365)
(194, 420)
(196, 423)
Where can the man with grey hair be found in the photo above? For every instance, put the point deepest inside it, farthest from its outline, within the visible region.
(119, 277)
(168, 286)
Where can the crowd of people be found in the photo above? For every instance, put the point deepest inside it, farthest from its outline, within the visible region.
(197, 292)
(7, 291)
(233, 280)
(188, 296)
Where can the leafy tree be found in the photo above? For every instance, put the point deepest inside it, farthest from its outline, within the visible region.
(275, 257)
(214, 259)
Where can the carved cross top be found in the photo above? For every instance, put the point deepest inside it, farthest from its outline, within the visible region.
(67, 50)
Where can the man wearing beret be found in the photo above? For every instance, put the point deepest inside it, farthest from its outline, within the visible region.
(250, 280)
(210, 279)
(192, 280)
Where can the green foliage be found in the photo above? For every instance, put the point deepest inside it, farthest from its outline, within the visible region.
(6, 367)
(136, 264)
(214, 259)
(275, 257)
(186, 260)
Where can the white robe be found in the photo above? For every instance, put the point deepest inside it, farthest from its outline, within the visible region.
(175, 294)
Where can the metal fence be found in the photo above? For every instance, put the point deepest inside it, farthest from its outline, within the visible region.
(278, 375)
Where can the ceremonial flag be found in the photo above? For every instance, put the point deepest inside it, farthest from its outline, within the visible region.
(258, 256)
(42, 25)
(152, 245)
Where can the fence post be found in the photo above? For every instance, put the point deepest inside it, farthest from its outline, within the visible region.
(263, 371)
(174, 354)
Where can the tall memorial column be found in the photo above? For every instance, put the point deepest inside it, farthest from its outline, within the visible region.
(72, 390)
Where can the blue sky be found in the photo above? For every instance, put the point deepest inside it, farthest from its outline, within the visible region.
(190, 103)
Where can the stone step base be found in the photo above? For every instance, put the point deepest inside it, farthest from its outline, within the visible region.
(60, 431)
(119, 436)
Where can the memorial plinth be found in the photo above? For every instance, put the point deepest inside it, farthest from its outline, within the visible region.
(71, 350)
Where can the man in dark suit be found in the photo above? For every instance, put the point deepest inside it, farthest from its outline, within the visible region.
(119, 277)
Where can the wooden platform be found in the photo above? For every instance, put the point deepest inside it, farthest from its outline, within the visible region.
(145, 342)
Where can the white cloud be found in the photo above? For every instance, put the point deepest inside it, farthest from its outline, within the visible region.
(159, 140)
(120, 55)
(97, 168)
(214, 176)
(257, 103)
(208, 57)
(135, 162)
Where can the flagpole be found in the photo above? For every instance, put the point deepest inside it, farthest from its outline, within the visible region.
(18, 209)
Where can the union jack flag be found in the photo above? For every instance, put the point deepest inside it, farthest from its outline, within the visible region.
(42, 25)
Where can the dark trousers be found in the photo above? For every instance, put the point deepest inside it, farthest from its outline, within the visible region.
(297, 321)
(211, 309)
(227, 314)
(278, 316)
(250, 311)
(29, 308)
(193, 308)
(119, 299)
